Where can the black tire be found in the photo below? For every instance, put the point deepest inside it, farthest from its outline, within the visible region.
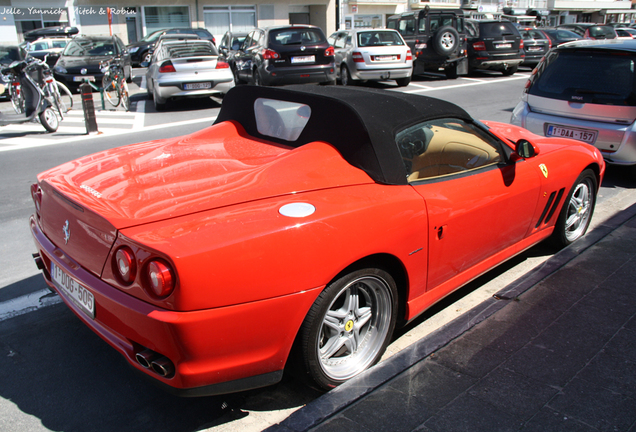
(510, 71)
(111, 92)
(256, 78)
(345, 76)
(49, 119)
(403, 82)
(145, 57)
(576, 213)
(160, 104)
(348, 327)
(445, 41)
(451, 71)
(237, 80)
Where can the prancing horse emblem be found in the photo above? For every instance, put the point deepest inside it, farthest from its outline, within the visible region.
(67, 232)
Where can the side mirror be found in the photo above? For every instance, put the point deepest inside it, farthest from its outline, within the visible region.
(525, 149)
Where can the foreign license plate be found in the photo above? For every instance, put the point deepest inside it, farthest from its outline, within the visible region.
(197, 86)
(303, 59)
(385, 58)
(503, 45)
(585, 135)
(83, 78)
(534, 48)
(81, 296)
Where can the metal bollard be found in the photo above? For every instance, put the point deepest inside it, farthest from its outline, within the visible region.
(89, 108)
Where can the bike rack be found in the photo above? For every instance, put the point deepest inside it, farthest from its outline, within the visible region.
(101, 92)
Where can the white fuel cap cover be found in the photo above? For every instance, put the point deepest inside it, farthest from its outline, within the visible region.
(297, 210)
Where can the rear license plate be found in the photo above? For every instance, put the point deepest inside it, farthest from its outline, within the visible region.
(197, 86)
(535, 49)
(303, 59)
(503, 45)
(81, 296)
(83, 78)
(585, 135)
(385, 58)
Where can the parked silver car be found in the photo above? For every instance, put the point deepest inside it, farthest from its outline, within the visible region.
(585, 90)
(186, 68)
(372, 54)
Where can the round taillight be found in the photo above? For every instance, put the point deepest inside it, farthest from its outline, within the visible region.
(160, 278)
(125, 265)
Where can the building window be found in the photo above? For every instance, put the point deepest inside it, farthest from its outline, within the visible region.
(164, 17)
(219, 19)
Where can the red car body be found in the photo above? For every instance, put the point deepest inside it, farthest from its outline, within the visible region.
(209, 207)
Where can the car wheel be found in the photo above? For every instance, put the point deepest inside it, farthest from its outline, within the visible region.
(146, 57)
(160, 104)
(577, 210)
(129, 78)
(403, 82)
(451, 71)
(49, 119)
(510, 71)
(445, 41)
(237, 80)
(345, 76)
(348, 327)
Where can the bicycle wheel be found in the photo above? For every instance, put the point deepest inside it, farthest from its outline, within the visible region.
(17, 98)
(111, 92)
(66, 97)
(125, 97)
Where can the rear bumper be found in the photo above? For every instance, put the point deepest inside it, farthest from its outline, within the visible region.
(213, 351)
(171, 89)
(298, 75)
(381, 74)
(495, 64)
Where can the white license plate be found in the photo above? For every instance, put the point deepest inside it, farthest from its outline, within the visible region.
(534, 48)
(585, 135)
(84, 78)
(303, 59)
(385, 58)
(196, 86)
(501, 46)
(81, 296)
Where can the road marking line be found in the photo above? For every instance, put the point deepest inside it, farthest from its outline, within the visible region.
(27, 303)
(517, 77)
(140, 115)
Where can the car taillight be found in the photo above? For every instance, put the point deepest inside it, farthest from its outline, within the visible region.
(521, 44)
(269, 54)
(330, 52)
(160, 278)
(357, 57)
(549, 44)
(479, 46)
(409, 56)
(125, 265)
(222, 65)
(167, 67)
(36, 194)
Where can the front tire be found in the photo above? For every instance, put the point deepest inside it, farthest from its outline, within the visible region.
(576, 214)
(348, 327)
(49, 119)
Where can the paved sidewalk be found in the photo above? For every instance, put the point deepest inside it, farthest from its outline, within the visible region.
(554, 351)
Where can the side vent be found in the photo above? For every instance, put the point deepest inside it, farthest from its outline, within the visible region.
(550, 207)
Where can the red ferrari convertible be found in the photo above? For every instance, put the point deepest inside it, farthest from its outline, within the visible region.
(303, 226)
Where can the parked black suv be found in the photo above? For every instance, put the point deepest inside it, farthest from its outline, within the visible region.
(437, 39)
(494, 45)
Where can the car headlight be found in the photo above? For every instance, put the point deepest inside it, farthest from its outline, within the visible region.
(60, 69)
(133, 50)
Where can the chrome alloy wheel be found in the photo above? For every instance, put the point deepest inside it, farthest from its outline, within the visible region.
(579, 211)
(355, 327)
(448, 40)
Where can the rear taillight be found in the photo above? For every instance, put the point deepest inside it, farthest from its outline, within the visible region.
(521, 44)
(36, 194)
(479, 46)
(167, 67)
(409, 56)
(269, 54)
(222, 65)
(330, 52)
(357, 57)
(549, 44)
(160, 278)
(125, 265)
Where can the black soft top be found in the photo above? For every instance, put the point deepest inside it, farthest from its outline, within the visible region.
(360, 123)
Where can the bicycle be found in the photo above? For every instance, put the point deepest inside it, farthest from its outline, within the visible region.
(114, 83)
(15, 93)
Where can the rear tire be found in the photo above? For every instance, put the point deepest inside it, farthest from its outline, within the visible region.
(345, 76)
(445, 41)
(510, 71)
(49, 119)
(451, 71)
(256, 78)
(403, 82)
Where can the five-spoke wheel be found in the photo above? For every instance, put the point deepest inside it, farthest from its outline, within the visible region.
(577, 210)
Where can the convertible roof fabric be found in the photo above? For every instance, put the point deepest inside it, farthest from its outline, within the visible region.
(360, 123)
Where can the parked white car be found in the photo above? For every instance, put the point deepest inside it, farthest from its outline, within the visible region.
(372, 55)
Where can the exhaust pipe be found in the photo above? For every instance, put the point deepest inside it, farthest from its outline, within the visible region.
(146, 357)
(163, 367)
(38, 261)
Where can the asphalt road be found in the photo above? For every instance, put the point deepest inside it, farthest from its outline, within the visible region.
(58, 375)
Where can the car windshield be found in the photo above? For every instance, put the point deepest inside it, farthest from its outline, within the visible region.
(191, 49)
(89, 47)
(573, 76)
(379, 38)
(296, 36)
